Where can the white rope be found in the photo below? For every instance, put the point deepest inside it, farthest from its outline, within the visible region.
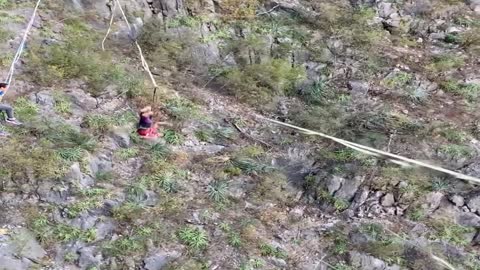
(18, 54)
(375, 152)
(140, 52)
(110, 25)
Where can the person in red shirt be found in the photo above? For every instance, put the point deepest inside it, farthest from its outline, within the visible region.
(146, 127)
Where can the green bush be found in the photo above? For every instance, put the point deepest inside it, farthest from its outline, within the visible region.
(80, 57)
(455, 151)
(25, 109)
(469, 91)
(261, 82)
(445, 62)
(194, 238)
(450, 232)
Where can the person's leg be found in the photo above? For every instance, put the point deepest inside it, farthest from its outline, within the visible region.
(8, 109)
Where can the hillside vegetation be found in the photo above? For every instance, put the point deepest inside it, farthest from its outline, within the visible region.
(223, 189)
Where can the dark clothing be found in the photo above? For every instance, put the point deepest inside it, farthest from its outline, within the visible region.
(145, 122)
(7, 109)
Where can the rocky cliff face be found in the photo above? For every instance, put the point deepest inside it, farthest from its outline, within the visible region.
(223, 189)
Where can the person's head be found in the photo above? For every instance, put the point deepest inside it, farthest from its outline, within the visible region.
(3, 86)
(147, 111)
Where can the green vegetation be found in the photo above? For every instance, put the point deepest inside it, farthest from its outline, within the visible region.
(173, 137)
(454, 135)
(470, 92)
(46, 231)
(398, 79)
(101, 123)
(261, 82)
(5, 35)
(382, 244)
(450, 232)
(340, 244)
(217, 191)
(196, 239)
(445, 62)
(253, 264)
(250, 166)
(62, 104)
(126, 153)
(338, 203)
(79, 57)
(133, 242)
(416, 213)
(270, 251)
(233, 237)
(25, 109)
(455, 151)
(94, 199)
(71, 154)
(128, 211)
(204, 135)
(342, 266)
(181, 109)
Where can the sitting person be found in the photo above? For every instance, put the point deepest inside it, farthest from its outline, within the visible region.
(146, 127)
(7, 108)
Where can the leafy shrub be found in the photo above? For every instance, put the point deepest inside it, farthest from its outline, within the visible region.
(469, 91)
(71, 154)
(25, 109)
(98, 122)
(261, 82)
(79, 57)
(181, 109)
(240, 9)
(250, 166)
(398, 79)
(173, 137)
(124, 246)
(217, 191)
(268, 250)
(204, 135)
(451, 232)
(42, 161)
(455, 151)
(126, 153)
(194, 238)
(160, 151)
(445, 62)
(64, 136)
(454, 135)
(5, 35)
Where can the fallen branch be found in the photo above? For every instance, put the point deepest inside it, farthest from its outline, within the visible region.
(249, 136)
(269, 11)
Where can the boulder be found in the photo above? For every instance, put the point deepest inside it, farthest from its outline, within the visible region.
(76, 177)
(474, 5)
(363, 261)
(388, 200)
(349, 188)
(27, 245)
(359, 88)
(457, 200)
(159, 259)
(89, 258)
(433, 201)
(121, 137)
(334, 183)
(468, 219)
(474, 204)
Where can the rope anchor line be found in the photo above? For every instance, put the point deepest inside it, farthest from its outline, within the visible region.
(19, 52)
(375, 152)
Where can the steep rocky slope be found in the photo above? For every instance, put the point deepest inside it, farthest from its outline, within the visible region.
(224, 189)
